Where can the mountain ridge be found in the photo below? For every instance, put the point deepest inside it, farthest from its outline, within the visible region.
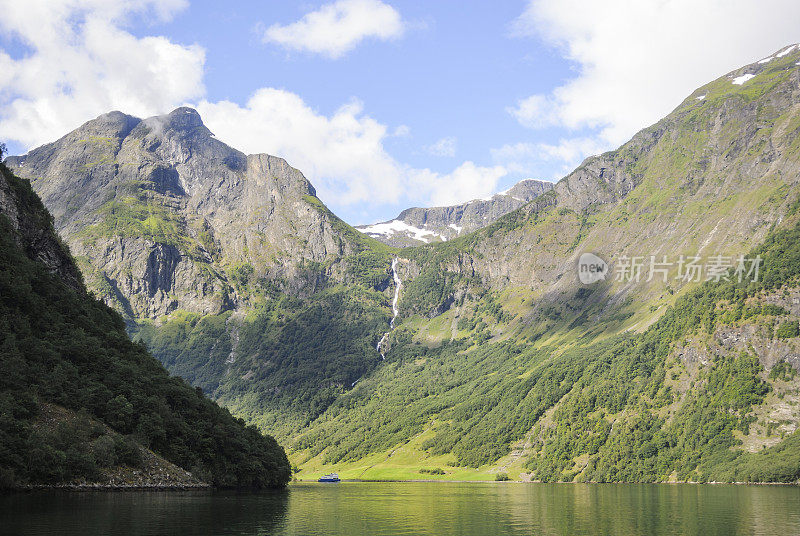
(496, 334)
(417, 225)
(168, 201)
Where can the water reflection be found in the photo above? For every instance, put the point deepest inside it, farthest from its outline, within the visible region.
(142, 513)
(390, 509)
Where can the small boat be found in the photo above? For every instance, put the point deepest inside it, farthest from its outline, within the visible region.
(333, 477)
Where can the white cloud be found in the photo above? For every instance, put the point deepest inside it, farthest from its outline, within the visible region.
(443, 147)
(402, 131)
(342, 155)
(336, 28)
(464, 183)
(636, 61)
(81, 63)
(536, 111)
(528, 158)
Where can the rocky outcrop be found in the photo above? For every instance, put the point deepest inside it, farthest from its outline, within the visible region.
(415, 226)
(753, 338)
(168, 217)
(33, 229)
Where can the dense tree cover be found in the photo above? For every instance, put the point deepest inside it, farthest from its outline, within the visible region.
(649, 444)
(612, 402)
(476, 400)
(431, 292)
(370, 268)
(283, 364)
(60, 347)
(787, 330)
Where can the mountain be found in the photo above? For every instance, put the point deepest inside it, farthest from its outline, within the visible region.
(417, 226)
(164, 217)
(713, 177)
(504, 361)
(227, 265)
(83, 405)
(708, 393)
(500, 359)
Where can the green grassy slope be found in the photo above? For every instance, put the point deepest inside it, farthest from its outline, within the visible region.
(503, 359)
(599, 411)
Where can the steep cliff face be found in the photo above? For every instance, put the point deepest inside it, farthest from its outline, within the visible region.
(162, 216)
(709, 179)
(33, 231)
(417, 226)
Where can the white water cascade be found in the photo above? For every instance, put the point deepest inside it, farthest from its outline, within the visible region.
(395, 311)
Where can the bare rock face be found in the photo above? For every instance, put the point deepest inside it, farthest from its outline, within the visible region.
(416, 226)
(33, 230)
(163, 216)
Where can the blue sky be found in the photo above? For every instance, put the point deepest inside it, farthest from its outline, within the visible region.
(383, 104)
(452, 74)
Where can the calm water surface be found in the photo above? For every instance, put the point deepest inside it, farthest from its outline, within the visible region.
(412, 509)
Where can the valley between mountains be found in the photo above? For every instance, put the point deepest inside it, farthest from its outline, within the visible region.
(492, 360)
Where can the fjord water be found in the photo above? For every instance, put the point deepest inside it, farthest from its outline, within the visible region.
(413, 509)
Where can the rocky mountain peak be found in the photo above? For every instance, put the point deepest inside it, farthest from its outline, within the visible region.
(417, 225)
(183, 118)
(182, 124)
(164, 214)
(114, 124)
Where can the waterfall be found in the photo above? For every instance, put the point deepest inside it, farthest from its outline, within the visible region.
(398, 284)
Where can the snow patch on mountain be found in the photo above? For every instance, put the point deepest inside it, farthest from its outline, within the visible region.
(739, 80)
(395, 227)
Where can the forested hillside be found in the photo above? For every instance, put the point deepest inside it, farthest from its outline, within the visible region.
(81, 403)
(239, 279)
(231, 270)
(283, 363)
(504, 360)
(632, 407)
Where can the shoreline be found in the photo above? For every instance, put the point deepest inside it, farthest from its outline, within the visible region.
(109, 487)
(88, 488)
(417, 481)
